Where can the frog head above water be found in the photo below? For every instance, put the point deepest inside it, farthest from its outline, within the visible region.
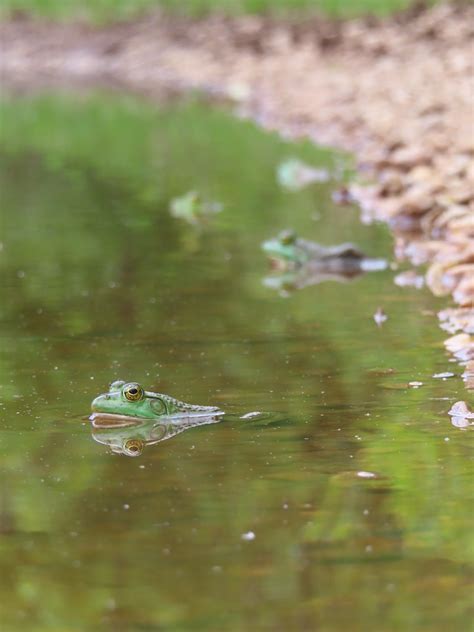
(285, 250)
(129, 399)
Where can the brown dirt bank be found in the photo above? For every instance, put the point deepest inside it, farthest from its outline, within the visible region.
(399, 94)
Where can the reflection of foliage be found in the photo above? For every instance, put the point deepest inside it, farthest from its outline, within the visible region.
(103, 283)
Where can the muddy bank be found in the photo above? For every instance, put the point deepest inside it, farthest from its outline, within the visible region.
(397, 93)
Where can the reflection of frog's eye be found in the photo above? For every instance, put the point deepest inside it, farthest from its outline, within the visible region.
(133, 447)
(133, 392)
(287, 237)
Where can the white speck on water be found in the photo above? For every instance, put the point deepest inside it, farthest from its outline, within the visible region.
(380, 316)
(363, 474)
(216, 569)
(248, 537)
(368, 548)
(446, 438)
(255, 413)
(443, 376)
(366, 512)
(126, 506)
(285, 505)
(142, 467)
(415, 384)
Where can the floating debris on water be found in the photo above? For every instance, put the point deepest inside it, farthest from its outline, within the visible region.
(443, 376)
(252, 415)
(363, 474)
(461, 409)
(415, 384)
(193, 208)
(461, 415)
(409, 278)
(293, 174)
(380, 317)
(248, 537)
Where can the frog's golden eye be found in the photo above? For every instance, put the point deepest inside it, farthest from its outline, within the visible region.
(133, 392)
(288, 237)
(133, 447)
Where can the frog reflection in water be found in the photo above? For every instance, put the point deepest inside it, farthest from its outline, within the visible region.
(128, 418)
(302, 262)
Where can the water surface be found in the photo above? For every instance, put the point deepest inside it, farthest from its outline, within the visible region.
(345, 506)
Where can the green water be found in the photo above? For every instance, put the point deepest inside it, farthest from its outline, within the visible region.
(100, 283)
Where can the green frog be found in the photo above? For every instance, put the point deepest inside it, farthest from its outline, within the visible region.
(193, 208)
(289, 252)
(129, 399)
(130, 436)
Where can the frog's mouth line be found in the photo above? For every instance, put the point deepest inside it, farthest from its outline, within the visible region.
(110, 420)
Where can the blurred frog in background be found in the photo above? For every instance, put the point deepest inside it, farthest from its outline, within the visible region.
(302, 262)
(193, 208)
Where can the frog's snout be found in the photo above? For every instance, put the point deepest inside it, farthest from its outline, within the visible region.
(98, 403)
(268, 246)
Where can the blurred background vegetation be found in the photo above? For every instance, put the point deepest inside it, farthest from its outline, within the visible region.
(107, 10)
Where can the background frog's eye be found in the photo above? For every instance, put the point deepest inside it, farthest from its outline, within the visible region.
(288, 237)
(133, 392)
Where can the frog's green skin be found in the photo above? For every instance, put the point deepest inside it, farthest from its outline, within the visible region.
(192, 207)
(145, 404)
(290, 251)
(131, 436)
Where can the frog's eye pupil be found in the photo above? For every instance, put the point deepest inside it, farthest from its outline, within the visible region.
(133, 392)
